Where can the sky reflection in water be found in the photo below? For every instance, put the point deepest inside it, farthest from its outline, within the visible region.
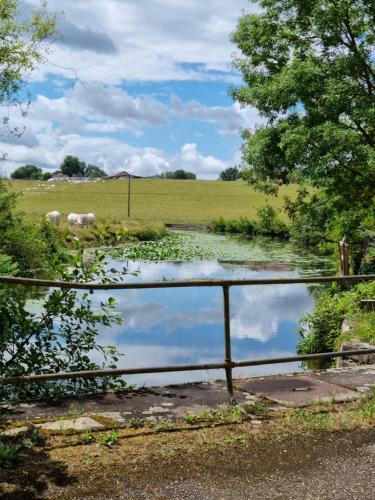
(183, 326)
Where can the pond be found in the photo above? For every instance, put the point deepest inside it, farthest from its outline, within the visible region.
(184, 326)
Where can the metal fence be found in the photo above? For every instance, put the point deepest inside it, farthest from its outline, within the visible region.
(228, 364)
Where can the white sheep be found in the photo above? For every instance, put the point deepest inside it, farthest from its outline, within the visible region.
(91, 218)
(81, 220)
(72, 219)
(53, 217)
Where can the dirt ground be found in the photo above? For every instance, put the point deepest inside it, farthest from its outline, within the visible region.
(240, 461)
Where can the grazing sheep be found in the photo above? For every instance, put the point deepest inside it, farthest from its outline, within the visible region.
(91, 218)
(53, 217)
(72, 219)
(81, 220)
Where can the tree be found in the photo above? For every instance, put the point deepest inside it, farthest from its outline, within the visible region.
(92, 171)
(71, 165)
(309, 69)
(27, 172)
(230, 174)
(46, 176)
(179, 174)
(21, 50)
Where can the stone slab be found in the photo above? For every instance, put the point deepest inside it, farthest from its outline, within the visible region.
(15, 431)
(297, 391)
(75, 424)
(358, 378)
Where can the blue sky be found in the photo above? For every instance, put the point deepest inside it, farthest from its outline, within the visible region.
(140, 85)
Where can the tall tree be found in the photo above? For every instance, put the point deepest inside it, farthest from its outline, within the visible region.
(308, 67)
(180, 174)
(94, 171)
(230, 174)
(72, 165)
(21, 50)
(27, 172)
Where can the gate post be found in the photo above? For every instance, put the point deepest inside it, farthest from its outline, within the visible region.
(228, 355)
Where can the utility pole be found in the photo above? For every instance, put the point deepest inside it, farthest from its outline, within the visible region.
(129, 195)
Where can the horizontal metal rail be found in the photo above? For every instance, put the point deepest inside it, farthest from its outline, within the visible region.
(180, 368)
(228, 363)
(11, 280)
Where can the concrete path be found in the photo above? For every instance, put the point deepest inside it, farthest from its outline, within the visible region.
(176, 402)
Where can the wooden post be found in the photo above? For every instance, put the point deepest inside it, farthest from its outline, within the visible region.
(344, 257)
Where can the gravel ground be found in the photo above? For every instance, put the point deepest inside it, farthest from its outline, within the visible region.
(312, 465)
(332, 467)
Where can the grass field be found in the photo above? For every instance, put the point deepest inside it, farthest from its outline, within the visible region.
(153, 201)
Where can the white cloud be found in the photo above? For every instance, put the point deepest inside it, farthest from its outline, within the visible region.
(206, 165)
(110, 154)
(145, 39)
(94, 108)
(229, 118)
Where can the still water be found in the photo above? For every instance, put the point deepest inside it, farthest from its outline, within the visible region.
(181, 326)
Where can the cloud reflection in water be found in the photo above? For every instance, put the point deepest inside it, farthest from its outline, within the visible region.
(182, 326)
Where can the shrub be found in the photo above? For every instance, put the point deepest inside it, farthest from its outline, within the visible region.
(268, 225)
(36, 249)
(60, 336)
(218, 225)
(7, 266)
(321, 329)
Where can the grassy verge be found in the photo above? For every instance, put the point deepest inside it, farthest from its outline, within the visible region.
(67, 466)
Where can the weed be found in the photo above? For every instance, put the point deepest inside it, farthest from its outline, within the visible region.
(10, 454)
(162, 424)
(367, 410)
(233, 413)
(236, 439)
(258, 409)
(86, 438)
(136, 423)
(32, 437)
(227, 413)
(317, 421)
(108, 439)
(170, 450)
(191, 419)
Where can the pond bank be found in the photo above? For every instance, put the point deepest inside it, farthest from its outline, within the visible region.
(175, 402)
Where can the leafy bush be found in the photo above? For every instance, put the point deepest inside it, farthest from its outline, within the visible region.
(60, 336)
(269, 225)
(364, 327)
(321, 329)
(7, 266)
(36, 249)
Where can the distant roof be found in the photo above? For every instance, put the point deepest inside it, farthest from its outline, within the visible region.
(124, 174)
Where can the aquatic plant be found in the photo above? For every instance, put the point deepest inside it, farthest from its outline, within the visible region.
(173, 247)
